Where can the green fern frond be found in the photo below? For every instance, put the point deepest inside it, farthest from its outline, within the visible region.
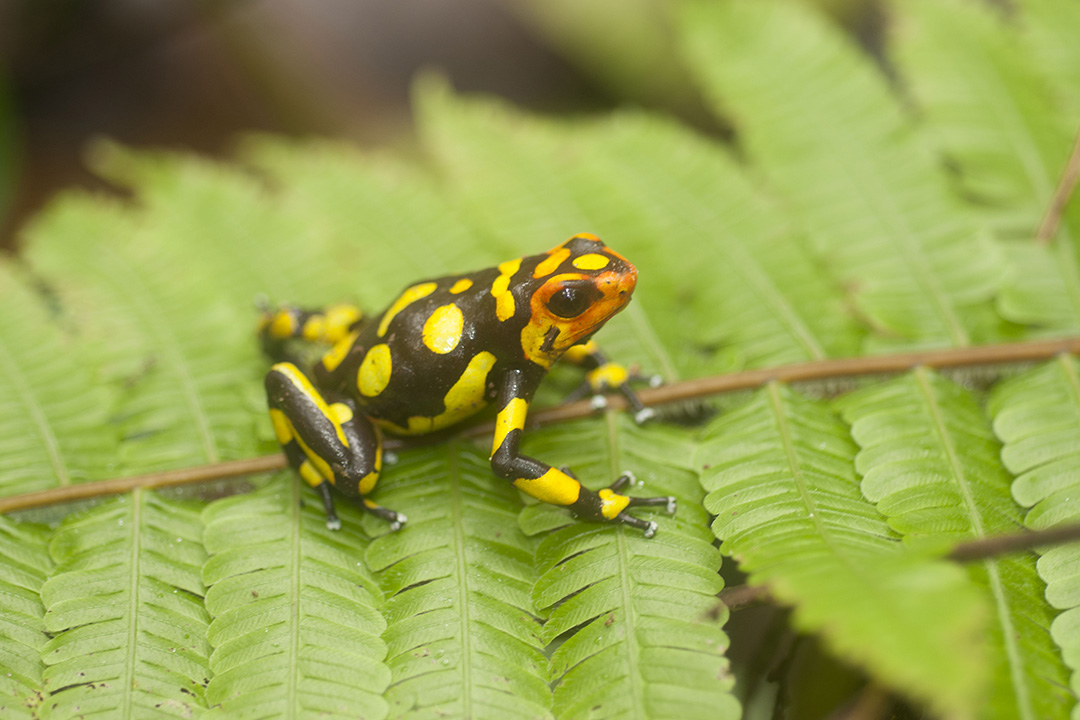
(1037, 417)
(24, 566)
(669, 200)
(1050, 29)
(125, 611)
(380, 221)
(153, 314)
(462, 637)
(819, 120)
(632, 615)
(53, 415)
(296, 619)
(992, 114)
(931, 463)
(780, 477)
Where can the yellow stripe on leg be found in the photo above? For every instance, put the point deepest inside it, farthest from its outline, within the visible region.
(554, 486)
(511, 417)
(611, 503)
(311, 475)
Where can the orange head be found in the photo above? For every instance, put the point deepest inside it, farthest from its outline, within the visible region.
(582, 283)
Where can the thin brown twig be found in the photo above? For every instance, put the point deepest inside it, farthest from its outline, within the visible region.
(739, 597)
(1069, 176)
(675, 392)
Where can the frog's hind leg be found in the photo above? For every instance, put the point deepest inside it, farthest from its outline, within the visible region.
(327, 441)
(325, 326)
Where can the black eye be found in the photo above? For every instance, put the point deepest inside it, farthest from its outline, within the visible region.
(569, 302)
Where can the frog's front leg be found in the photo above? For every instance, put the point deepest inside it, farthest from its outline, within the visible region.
(602, 374)
(552, 485)
(327, 441)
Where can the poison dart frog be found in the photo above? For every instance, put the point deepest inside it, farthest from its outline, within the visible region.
(442, 351)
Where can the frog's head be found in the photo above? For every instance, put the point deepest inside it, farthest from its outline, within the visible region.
(582, 283)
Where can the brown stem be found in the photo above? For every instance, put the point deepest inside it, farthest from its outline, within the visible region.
(675, 392)
(1064, 191)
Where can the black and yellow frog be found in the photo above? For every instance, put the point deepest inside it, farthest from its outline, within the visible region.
(442, 351)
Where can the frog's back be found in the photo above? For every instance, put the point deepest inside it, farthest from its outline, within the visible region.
(430, 359)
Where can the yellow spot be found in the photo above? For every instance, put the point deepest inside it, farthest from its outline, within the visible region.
(341, 348)
(465, 398)
(460, 286)
(592, 261)
(500, 289)
(511, 417)
(339, 318)
(576, 354)
(611, 504)
(408, 297)
(310, 474)
(554, 260)
(367, 483)
(283, 325)
(374, 374)
(554, 486)
(442, 331)
(282, 427)
(342, 412)
(314, 328)
(300, 381)
(607, 375)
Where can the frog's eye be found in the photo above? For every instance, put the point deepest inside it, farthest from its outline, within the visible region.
(571, 301)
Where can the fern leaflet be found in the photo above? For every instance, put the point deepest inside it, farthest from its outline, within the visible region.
(1037, 416)
(125, 611)
(632, 614)
(296, 622)
(779, 475)
(930, 462)
(24, 567)
(463, 640)
(995, 117)
(819, 120)
(53, 428)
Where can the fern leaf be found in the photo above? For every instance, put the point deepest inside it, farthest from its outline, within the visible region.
(992, 114)
(1037, 416)
(382, 222)
(931, 463)
(24, 565)
(779, 475)
(745, 282)
(53, 416)
(463, 640)
(296, 623)
(1050, 29)
(818, 119)
(633, 615)
(125, 611)
(192, 375)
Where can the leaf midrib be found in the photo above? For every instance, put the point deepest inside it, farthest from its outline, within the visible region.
(624, 554)
(128, 688)
(1016, 663)
(462, 568)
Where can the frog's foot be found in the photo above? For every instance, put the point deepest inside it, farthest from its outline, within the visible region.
(613, 376)
(614, 504)
(397, 520)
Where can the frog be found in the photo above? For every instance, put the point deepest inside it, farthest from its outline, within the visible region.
(442, 351)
